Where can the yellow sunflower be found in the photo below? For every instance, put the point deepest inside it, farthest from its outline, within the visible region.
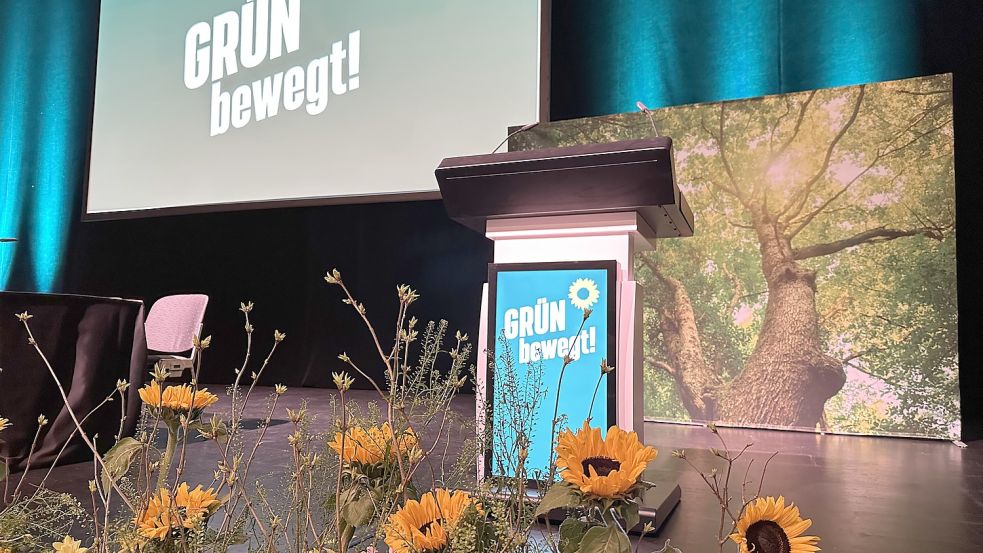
(606, 467)
(151, 394)
(372, 445)
(769, 526)
(195, 504)
(69, 545)
(177, 398)
(425, 525)
(157, 520)
(186, 509)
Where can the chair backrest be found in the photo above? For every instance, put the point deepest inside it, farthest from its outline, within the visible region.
(174, 321)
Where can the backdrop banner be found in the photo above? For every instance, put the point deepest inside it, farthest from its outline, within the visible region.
(819, 292)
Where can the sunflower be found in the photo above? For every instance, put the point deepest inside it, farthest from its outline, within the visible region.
(372, 445)
(586, 286)
(182, 398)
(5, 423)
(157, 520)
(69, 545)
(606, 467)
(769, 526)
(186, 509)
(425, 525)
(195, 504)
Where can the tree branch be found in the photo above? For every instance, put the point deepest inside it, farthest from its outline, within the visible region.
(880, 155)
(885, 379)
(665, 367)
(798, 124)
(799, 200)
(880, 234)
(926, 92)
(718, 139)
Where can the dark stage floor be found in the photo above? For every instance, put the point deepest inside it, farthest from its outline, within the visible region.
(864, 494)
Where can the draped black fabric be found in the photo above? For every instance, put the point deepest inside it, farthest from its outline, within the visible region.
(90, 342)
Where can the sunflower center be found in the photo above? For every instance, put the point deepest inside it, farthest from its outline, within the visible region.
(602, 465)
(767, 537)
(428, 525)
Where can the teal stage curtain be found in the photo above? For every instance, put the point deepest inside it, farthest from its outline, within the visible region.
(607, 55)
(47, 56)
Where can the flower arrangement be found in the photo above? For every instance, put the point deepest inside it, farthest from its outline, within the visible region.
(379, 478)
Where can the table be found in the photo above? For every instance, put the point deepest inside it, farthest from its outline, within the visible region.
(91, 342)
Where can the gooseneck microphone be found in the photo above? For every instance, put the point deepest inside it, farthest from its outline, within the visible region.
(644, 109)
(521, 129)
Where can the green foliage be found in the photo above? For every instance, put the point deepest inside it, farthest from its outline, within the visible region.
(357, 507)
(119, 459)
(559, 496)
(604, 539)
(572, 532)
(32, 523)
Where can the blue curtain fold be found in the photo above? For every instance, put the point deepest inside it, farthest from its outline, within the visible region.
(672, 52)
(47, 57)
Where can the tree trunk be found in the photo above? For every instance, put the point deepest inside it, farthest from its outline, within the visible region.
(787, 378)
(696, 380)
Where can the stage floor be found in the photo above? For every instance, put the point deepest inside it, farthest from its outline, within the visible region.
(876, 495)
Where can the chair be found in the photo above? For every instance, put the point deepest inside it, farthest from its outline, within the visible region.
(171, 326)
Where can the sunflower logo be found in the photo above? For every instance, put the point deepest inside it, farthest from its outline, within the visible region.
(768, 525)
(583, 293)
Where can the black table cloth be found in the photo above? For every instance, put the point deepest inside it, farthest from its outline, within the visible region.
(91, 342)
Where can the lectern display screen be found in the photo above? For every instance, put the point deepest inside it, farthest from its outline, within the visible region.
(540, 315)
(212, 105)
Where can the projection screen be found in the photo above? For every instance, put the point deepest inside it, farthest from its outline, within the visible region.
(221, 105)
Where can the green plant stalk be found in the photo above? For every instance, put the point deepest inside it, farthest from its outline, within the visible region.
(165, 461)
(556, 406)
(593, 398)
(342, 545)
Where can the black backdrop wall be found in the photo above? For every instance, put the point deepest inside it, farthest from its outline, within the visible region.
(276, 257)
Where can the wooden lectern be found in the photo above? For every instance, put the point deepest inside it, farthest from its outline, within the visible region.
(582, 203)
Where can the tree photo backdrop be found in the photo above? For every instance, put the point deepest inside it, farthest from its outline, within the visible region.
(819, 291)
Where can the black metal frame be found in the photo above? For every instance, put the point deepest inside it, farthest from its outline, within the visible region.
(494, 269)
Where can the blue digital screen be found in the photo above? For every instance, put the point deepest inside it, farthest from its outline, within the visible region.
(537, 316)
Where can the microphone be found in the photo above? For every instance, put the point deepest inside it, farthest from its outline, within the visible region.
(644, 109)
(521, 129)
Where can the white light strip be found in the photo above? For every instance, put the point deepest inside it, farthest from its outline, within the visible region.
(558, 232)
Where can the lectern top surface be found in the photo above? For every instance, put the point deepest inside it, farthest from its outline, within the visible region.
(613, 177)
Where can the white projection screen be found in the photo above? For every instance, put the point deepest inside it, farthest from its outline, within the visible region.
(219, 105)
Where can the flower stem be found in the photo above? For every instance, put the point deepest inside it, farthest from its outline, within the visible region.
(590, 412)
(165, 461)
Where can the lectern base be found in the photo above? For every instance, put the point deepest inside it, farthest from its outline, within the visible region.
(658, 503)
